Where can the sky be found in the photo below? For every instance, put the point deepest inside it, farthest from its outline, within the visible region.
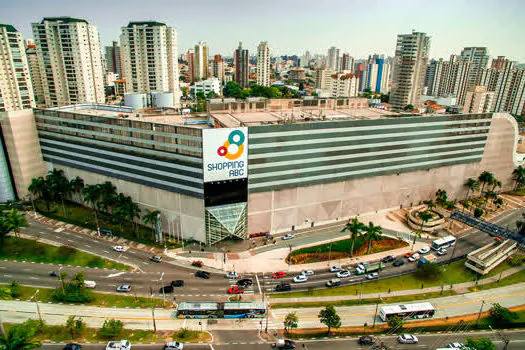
(360, 28)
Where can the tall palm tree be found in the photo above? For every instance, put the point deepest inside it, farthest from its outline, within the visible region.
(496, 183)
(92, 194)
(472, 185)
(19, 337)
(39, 189)
(485, 178)
(108, 196)
(441, 196)
(373, 233)
(77, 185)
(354, 227)
(150, 218)
(519, 176)
(430, 204)
(59, 186)
(425, 216)
(11, 221)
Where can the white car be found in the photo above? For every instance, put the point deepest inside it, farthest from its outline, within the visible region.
(118, 345)
(424, 250)
(300, 279)
(343, 274)
(90, 284)
(372, 276)
(287, 237)
(119, 248)
(414, 257)
(407, 339)
(124, 288)
(441, 252)
(307, 273)
(232, 275)
(335, 268)
(173, 345)
(455, 346)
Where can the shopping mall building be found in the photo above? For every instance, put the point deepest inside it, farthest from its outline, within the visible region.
(260, 165)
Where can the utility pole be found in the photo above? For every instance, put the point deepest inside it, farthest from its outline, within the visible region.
(453, 250)
(375, 314)
(153, 317)
(37, 306)
(480, 311)
(504, 338)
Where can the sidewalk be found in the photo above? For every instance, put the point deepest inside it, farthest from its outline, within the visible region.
(460, 288)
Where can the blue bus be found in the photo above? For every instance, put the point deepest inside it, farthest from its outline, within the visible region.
(221, 310)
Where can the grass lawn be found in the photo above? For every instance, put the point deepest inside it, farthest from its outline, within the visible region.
(101, 299)
(387, 300)
(517, 277)
(450, 274)
(28, 250)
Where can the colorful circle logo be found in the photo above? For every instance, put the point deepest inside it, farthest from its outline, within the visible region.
(236, 138)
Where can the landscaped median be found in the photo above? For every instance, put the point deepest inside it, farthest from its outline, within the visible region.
(20, 249)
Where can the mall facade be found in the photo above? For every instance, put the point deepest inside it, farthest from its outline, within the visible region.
(261, 166)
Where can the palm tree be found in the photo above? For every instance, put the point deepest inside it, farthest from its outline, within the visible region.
(92, 196)
(150, 218)
(496, 183)
(373, 233)
(19, 337)
(108, 196)
(441, 196)
(521, 225)
(424, 216)
(472, 185)
(354, 227)
(485, 178)
(58, 186)
(77, 185)
(11, 221)
(519, 176)
(39, 189)
(62, 278)
(430, 204)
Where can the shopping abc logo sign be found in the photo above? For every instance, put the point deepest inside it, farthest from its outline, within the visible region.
(225, 154)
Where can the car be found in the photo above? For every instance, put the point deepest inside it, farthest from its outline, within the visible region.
(398, 263)
(73, 346)
(372, 276)
(118, 345)
(284, 344)
(106, 232)
(166, 289)
(407, 339)
(279, 274)
(119, 248)
(202, 274)
(424, 250)
(124, 288)
(245, 282)
(283, 287)
(177, 283)
(388, 259)
(173, 345)
(441, 252)
(231, 275)
(90, 284)
(334, 282)
(235, 290)
(156, 258)
(307, 273)
(54, 274)
(343, 274)
(409, 254)
(300, 279)
(196, 263)
(361, 266)
(455, 346)
(414, 257)
(366, 340)
(287, 237)
(335, 268)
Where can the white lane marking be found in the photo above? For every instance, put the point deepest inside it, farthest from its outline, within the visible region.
(34, 278)
(88, 246)
(41, 232)
(258, 285)
(57, 237)
(115, 274)
(69, 240)
(8, 275)
(59, 229)
(105, 251)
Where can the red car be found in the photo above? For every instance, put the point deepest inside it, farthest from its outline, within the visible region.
(279, 274)
(408, 255)
(235, 290)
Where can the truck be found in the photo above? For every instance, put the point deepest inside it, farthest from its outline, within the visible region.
(365, 268)
(431, 258)
(284, 344)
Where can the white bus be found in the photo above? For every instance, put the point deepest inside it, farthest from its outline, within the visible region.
(443, 242)
(417, 310)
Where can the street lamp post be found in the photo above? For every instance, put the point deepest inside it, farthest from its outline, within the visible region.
(37, 306)
(480, 311)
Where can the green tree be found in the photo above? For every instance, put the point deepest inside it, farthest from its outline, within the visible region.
(485, 178)
(290, 321)
(11, 221)
(92, 195)
(472, 185)
(40, 190)
(409, 108)
(16, 289)
(75, 326)
(19, 337)
(396, 322)
(232, 89)
(441, 196)
(354, 227)
(496, 183)
(429, 272)
(111, 328)
(59, 186)
(519, 176)
(424, 216)
(108, 196)
(480, 344)
(501, 316)
(150, 218)
(521, 225)
(478, 212)
(372, 233)
(77, 185)
(329, 318)
(430, 204)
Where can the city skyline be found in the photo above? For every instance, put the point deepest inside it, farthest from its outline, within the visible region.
(354, 28)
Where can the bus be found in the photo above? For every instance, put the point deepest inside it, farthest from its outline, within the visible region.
(221, 310)
(416, 310)
(443, 242)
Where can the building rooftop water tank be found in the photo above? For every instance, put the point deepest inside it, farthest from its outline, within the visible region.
(135, 100)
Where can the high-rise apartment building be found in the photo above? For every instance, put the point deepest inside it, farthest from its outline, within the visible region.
(479, 60)
(263, 64)
(305, 59)
(200, 62)
(323, 79)
(333, 59)
(149, 56)
(16, 90)
(347, 63)
(217, 68)
(499, 63)
(113, 59)
(410, 65)
(490, 76)
(509, 95)
(36, 74)
(478, 100)
(378, 74)
(242, 69)
(70, 60)
(446, 78)
(344, 85)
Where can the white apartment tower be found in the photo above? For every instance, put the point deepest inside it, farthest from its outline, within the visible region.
(69, 53)
(16, 90)
(333, 60)
(409, 69)
(479, 60)
(200, 62)
(149, 57)
(36, 75)
(478, 100)
(263, 64)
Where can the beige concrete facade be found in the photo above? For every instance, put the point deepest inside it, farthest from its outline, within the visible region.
(300, 207)
(23, 148)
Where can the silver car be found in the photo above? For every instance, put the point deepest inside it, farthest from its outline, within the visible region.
(124, 288)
